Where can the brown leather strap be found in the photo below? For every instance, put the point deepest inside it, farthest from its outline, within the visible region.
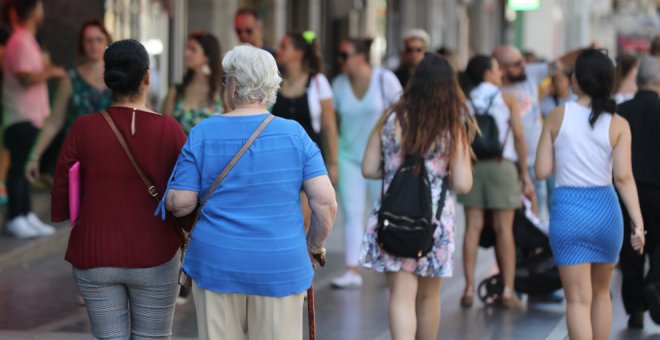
(151, 188)
(228, 168)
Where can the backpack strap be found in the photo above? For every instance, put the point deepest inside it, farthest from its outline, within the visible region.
(491, 100)
(443, 196)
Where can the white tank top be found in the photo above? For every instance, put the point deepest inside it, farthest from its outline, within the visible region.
(481, 97)
(583, 155)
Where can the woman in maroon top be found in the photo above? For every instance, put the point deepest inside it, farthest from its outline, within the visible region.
(118, 248)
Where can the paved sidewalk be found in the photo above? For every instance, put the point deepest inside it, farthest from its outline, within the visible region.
(38, 301)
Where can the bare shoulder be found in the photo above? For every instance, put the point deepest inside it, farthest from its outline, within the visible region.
(509, 98)
(556, 117)
(618, 127)
(619, 122)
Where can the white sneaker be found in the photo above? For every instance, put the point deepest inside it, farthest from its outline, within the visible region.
(41, 228)
(349, 279)
(20, 228)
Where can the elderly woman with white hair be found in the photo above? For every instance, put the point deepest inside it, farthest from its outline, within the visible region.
(248, 256)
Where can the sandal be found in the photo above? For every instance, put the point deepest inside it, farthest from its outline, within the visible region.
(466, 301)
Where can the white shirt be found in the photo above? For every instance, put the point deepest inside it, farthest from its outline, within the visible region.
(480, 97)
(358, 116)
(319, 89)
(583, 154)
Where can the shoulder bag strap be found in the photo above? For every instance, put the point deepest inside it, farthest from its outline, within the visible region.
(228, 168)
(151, 188)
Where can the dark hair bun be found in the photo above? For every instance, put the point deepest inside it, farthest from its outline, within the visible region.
(116, 79)
(126, 63)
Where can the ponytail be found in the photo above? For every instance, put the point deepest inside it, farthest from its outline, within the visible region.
(308, 43)
(600, 105)
(594, 73)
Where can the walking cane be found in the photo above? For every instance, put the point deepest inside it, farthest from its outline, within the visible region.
(311, 315)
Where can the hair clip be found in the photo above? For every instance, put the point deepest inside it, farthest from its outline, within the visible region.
(309, 36)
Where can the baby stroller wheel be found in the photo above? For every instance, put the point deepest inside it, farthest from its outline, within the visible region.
(490, 289)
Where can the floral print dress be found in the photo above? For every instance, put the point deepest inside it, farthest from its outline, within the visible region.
(439, 261)
(85, 98)
(188, 117)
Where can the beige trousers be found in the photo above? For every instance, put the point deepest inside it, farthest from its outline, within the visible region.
(247, 317)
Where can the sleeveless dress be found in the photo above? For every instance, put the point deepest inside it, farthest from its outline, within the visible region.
(85, 98)
(439, 261)
(586, 223)
(189, 117)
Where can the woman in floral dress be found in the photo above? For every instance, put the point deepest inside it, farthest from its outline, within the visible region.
(199, 96)
(82, 92)
(432, 105)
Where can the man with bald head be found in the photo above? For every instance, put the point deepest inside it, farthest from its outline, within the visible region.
(643, 116)
(522, 81)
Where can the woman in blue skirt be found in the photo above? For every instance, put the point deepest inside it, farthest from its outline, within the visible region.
(585, 142)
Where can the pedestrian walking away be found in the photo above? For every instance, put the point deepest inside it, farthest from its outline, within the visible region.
(427, 122)
(588, 146)
(125, 262)
(249, 259)
(497, 185)
(640, 289)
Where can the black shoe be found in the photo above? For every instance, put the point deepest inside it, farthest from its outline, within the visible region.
(636, 320)
(653, 301)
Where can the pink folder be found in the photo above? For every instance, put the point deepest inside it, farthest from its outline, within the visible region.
(74, 193)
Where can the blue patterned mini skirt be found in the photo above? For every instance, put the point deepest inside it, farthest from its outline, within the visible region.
(586, 225)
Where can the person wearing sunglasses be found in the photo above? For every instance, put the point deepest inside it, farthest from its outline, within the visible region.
(415, 45)
(361, 93)
(522, 82)
(249, 29)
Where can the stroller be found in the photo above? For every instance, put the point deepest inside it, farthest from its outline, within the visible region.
(536, 271)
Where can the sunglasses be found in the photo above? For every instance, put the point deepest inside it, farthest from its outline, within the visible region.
(518, 63)
(410, 50)
(343, 56)
(247, 31)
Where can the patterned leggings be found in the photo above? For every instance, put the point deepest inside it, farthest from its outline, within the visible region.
(148, 294)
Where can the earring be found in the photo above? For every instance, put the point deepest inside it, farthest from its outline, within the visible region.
(206, 70)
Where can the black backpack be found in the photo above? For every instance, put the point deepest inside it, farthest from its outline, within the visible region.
(486, 145)
(405, 225)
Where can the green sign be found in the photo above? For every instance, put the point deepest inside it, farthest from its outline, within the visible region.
(524, 5)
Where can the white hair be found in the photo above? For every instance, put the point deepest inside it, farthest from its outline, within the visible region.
(417, 34)
(648, 73)
(254, 73)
